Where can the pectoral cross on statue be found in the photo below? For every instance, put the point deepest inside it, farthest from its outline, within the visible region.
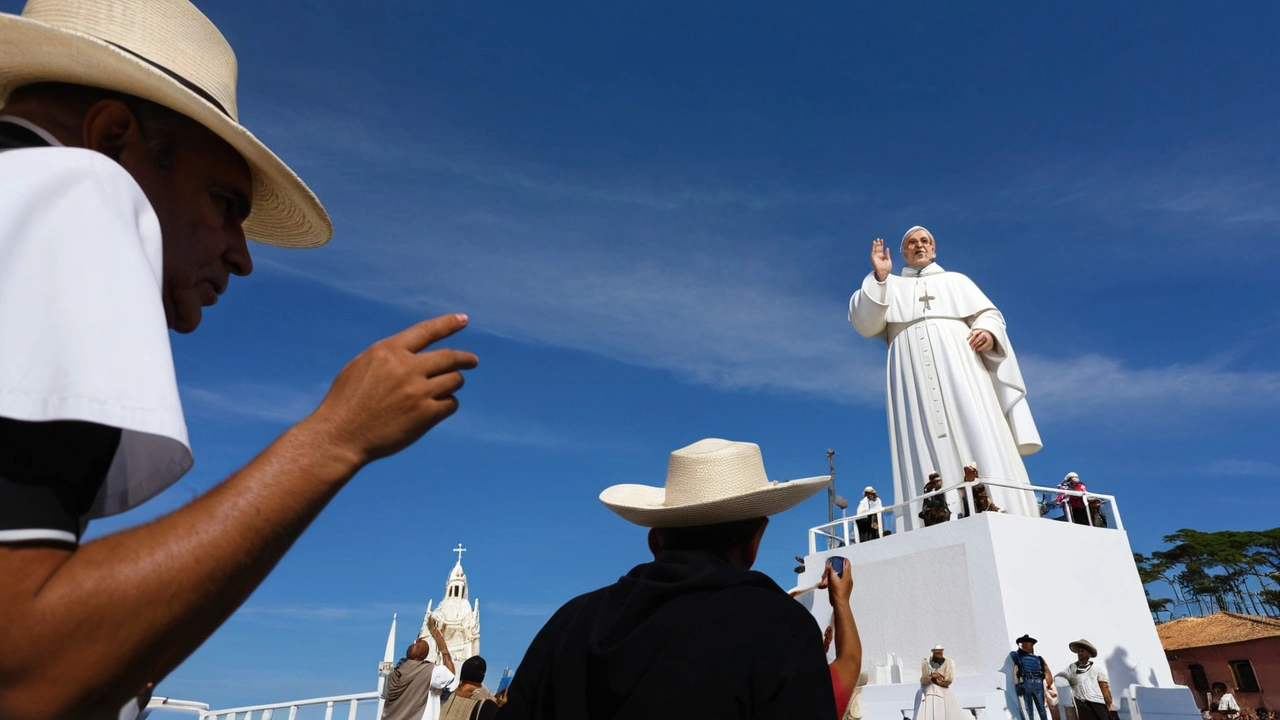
(925, 298)
(459, 550)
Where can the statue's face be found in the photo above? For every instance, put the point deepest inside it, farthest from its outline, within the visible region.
(937, 654)
(918, 248)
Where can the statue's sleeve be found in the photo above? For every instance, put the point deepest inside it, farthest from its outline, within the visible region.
(869, 306)
(1011, 389)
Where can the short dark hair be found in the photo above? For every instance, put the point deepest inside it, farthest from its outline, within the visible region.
(473, 670)
(160, 125)
(720, 538)
(1217, 685)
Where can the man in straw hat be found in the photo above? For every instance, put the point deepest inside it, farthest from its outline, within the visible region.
(1090, 687)
(695, 633)
(954, 389)
(127, 189)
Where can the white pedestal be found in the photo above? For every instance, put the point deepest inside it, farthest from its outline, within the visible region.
(975, 584)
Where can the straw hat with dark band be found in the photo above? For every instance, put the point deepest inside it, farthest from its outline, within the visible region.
(167, 52)
(709, 482)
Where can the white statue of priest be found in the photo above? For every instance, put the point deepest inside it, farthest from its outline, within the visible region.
(955, 393)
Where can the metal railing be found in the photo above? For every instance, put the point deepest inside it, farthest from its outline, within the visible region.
(844, 532)
(274, 711)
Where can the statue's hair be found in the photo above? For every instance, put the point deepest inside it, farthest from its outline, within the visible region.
(914, 228)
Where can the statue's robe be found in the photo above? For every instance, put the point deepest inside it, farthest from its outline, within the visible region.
(948, 405)
(938, 702)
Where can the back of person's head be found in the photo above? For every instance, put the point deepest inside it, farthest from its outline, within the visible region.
(735, 542)
(1219, 687)
(419, 650)
(473, 670)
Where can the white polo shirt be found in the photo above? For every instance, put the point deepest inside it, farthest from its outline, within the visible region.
(1084, 681)
(83, 334)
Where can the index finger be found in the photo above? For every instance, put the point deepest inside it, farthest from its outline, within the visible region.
(418, 337)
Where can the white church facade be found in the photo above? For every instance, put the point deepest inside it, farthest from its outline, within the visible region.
(457, 616)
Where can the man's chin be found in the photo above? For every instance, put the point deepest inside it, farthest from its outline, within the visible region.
(186, 320)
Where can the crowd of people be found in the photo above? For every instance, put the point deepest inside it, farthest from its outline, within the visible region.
(935, 507)
(1034, 684)
(421, 689)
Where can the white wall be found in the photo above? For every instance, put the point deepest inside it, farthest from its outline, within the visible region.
(976, 584)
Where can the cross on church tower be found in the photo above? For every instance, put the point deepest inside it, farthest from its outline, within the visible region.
(459, 550)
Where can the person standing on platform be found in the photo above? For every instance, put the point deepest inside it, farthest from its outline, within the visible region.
(1074, 505)
(937, 700)
(934, 509)
(1031, 677)
(868, 515)
(981, 497)
(954, 390)
(1090, 687)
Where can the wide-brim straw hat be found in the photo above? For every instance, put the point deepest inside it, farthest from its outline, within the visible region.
(711, 481)
(1082, 644)
(168, 52)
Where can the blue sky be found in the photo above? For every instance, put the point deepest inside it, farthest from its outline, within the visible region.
(654, 215)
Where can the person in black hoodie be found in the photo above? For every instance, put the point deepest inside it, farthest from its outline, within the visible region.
(695, 633)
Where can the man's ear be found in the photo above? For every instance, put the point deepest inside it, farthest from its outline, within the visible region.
(753, 547)
(110, 127)
(655, 541)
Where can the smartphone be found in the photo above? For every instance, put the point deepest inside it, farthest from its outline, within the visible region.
(837, 564)
(505, 682)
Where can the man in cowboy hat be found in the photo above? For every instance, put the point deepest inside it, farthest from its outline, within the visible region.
(695, 633)
(1090, 688)
(127, 190)
(1031, 677)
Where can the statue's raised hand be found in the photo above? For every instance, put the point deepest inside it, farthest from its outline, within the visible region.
(881, 263)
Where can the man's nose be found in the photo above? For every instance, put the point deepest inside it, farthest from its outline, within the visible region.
(237, 257)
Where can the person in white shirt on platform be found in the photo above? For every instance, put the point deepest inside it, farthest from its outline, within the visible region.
(1090, 687)
(868, 515)
(128, 190)
(937, 700)
(955, 393)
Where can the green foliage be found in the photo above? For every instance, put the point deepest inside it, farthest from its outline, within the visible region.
(1231, 570)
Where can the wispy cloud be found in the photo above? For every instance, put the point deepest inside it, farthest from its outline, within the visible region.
(1098, 386)
(1241, 468)
(262, 402)
(487, 428)
(688, 281)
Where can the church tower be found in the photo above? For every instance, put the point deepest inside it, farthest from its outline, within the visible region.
(458, 621)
